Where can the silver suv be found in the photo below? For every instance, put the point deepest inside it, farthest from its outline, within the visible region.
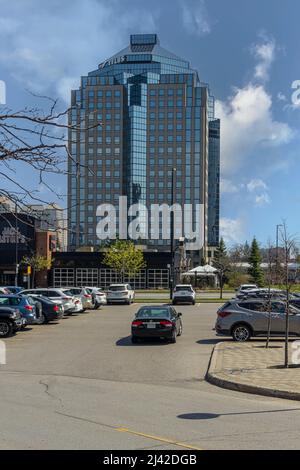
(244, 319)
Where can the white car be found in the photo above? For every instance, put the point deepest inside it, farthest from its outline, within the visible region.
(245, 288)
(120, 293)
(82, 294)
(184, 293)
(98, 295)
(78, 306)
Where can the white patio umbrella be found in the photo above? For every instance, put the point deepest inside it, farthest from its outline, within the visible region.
(206, 270)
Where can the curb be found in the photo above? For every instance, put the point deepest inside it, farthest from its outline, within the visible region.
(213, 378)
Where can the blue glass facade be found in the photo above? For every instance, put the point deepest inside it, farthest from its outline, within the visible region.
(153, 114)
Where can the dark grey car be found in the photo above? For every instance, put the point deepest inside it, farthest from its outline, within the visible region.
(244, 319)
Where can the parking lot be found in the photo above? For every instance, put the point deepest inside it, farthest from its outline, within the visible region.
(96, 344)
(82, 384)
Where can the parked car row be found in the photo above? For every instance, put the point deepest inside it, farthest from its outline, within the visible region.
(42, 305)
(21, 307)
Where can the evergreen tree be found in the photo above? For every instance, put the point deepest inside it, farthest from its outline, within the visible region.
(221, 252)
(246, 250)
(222, 263)
(255, 259)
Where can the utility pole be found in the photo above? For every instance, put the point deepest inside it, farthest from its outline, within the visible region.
(16, 247)
(172, 234)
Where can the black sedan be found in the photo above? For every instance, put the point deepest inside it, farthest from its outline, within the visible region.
(47, 309)
(156, 322)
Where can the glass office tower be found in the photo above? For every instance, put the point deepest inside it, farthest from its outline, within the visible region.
(142, 113)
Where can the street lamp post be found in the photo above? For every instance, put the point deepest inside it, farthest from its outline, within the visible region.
(172, 234)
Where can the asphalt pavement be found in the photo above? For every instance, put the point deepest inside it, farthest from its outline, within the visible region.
(81, 384)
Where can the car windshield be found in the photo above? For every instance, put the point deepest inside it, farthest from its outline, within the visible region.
(117, 288)
(10, 300)
(65, 292)
(184, 288)
(153, 312)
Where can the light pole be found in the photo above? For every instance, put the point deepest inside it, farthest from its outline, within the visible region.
(172, 234)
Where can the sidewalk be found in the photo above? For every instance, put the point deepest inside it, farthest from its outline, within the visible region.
(249, 368)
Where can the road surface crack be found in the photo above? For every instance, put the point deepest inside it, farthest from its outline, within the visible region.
(51, 395)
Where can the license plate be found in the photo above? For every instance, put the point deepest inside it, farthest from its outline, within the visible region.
(151, 325)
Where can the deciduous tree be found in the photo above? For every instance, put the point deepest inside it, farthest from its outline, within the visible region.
(37, 263)
(125, 258)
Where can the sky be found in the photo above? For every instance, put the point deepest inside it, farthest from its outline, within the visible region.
(247, 51)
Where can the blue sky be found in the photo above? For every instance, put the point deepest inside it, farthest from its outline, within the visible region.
(247, 51)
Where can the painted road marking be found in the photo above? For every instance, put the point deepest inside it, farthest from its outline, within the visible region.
(156, 438)
(129, 431)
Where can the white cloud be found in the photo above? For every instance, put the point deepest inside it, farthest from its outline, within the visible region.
(195, 17)
(256, 190)
(281, 96)
(264, 52)
(255, 184)
(262, 199)
(51, 47)
(247, 124)
(228, 186)
(259, 192)
(232, 230)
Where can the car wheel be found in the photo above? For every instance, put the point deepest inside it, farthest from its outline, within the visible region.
(241, 333)
(6, 329)
(174, 302)
(174, 337)
(194, 302)
(180, 330)
(134, 339)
